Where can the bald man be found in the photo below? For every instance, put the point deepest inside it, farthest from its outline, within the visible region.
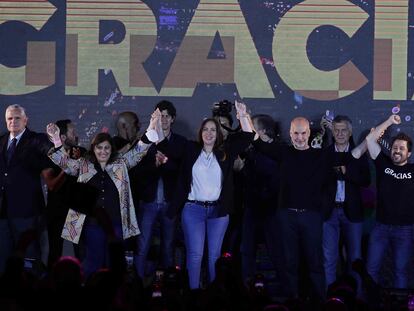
(299, 221)
(127, 126)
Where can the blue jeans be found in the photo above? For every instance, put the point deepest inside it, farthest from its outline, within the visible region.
(96, 247)
(399, 238)
(198, 222)
(338, 224)
(148, 214)
(11, 231)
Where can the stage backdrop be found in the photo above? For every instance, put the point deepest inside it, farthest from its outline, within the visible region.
(89, 60)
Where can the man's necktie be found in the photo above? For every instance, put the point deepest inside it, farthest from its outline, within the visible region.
(11, 149)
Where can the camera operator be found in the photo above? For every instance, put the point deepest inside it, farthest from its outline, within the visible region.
(222, 113)
(231, 244)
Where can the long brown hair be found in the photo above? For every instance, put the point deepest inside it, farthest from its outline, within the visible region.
(218, 144)
(100, 138)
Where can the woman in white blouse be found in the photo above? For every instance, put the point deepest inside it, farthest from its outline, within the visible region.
(205, 191)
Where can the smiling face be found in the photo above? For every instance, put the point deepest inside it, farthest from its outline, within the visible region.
(399, 152)
(299, 133)
(16, 120)
(102, 152)
(209, 134)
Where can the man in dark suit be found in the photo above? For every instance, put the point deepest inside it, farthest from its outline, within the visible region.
(155, 180)
(343, 202)
(23, 157)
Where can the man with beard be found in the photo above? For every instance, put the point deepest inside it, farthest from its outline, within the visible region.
(60, 191)
(395, 207)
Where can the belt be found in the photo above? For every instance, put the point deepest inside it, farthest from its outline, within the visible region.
(298, 210)
(204, 203)
(339, 204)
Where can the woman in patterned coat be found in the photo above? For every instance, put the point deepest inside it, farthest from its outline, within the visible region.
(106, 172)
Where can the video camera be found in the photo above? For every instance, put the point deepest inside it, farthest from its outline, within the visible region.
(222, 109)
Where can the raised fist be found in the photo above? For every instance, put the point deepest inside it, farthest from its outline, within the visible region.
(395, 119)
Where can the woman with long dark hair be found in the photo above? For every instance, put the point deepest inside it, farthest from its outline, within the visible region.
(107, 173)
(204, 191)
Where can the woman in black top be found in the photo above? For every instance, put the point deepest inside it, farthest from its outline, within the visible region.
(106, 172)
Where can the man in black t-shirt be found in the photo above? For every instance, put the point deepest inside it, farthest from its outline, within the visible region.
(304, 173)
(395, 204)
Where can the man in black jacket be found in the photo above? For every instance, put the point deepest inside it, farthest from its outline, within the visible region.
(343, 202)
(22, 160)
(155, 180)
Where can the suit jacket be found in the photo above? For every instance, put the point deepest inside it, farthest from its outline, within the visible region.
(357, 176)
(145, 176)
(20, 180)
(234, 145)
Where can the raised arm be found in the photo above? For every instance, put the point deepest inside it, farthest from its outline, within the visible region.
(359, 150)
(53, 132)
(244, 117)
(153, 134)
(58, 154)
(372, 139)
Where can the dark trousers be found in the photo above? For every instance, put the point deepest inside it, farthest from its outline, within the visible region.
(19, 233)
(301, 234)
(96, 244)
(54, 230)
(257, 223)
(55, 225)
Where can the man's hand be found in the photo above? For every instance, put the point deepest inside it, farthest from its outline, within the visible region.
(155, 120)
(340, 169)
(326, 123)
(160, 159)
(238, 164)
(244, 117)
(53, 132)
(394, 119)
(241, 110)
(156, 125)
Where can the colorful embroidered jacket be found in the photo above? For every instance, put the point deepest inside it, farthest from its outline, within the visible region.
(118, 172)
